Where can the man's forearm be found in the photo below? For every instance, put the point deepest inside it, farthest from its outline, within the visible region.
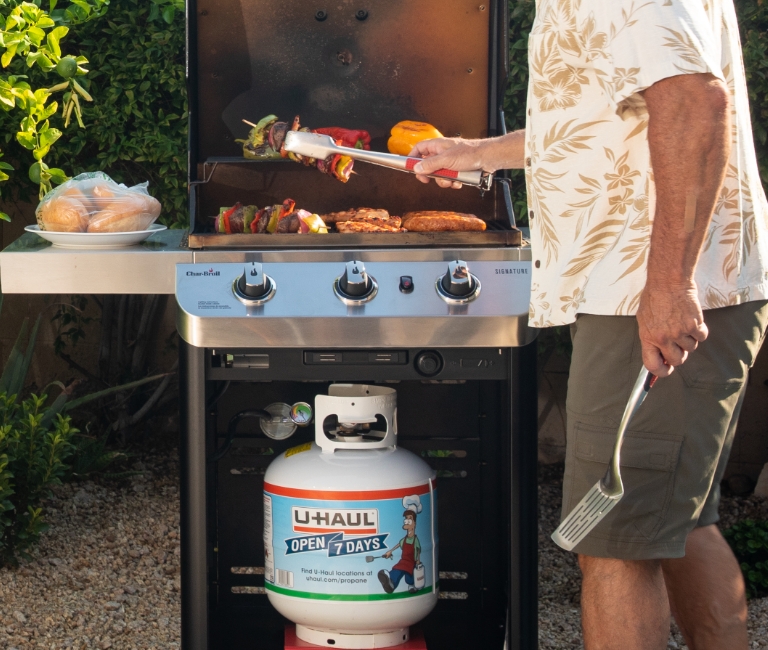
(689, 140)
(503, 152)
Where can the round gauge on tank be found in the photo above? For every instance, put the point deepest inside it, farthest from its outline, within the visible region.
(301, 414)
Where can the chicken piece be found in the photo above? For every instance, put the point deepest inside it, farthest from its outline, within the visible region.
(365, 226)
(354, 214)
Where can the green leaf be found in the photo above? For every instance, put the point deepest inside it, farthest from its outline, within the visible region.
(58, 176)
(17, 382)
(168, 14)
(26, 140)
(15, 359)
(8, 55)
(53, 38)
(49, 136)
(110, 391)
(39, 153)
(5, 217)
(35, 35)
(7, 98)
(45, 22)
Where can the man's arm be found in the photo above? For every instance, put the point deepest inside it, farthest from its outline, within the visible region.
(504, 152)
(689, 140)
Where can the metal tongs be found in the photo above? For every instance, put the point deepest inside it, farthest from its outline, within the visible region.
(317, 145)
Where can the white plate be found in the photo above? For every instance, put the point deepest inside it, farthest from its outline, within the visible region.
(95, 239)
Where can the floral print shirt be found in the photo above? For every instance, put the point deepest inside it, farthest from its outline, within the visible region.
(588, 172)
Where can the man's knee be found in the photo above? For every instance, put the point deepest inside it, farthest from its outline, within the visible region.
(606, 568)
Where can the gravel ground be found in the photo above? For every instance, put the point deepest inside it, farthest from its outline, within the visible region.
(560, 579)
(107, 573)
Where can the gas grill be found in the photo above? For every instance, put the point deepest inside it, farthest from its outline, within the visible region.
(275, 319)
(268, 318)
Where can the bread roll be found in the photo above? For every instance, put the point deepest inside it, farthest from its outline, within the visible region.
(63, 214)
(74, 192)
(127, 213)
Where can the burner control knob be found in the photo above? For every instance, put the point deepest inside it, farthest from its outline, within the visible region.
(428, 363)
(254, 284)
(355, 281)
(458, 282)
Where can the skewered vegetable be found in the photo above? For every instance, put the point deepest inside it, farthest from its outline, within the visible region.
(281, 218)
(266, 139)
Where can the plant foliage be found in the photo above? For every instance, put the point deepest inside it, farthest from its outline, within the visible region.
(749, 542)
(31, 37)
(137, 123)
(36, 446)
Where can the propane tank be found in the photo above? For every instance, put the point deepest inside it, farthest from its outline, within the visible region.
(350, 529)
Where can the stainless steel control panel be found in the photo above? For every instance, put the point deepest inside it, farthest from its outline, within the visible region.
(411, 306)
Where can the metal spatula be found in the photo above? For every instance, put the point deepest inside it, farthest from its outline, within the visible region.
(607, 492)
(317, 145)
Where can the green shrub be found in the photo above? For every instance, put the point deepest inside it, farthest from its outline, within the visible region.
(749, 542)
(34, 449)
(137, 124)
(37, 444)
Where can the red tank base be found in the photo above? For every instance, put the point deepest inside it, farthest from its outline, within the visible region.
(292, 642)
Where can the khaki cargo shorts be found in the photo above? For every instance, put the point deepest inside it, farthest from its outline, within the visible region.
(677, 445)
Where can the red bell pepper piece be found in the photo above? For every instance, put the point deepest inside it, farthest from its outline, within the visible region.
(225, 218)
(355, 138)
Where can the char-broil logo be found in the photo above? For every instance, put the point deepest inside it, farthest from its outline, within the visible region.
(209, 272)
(323, 520)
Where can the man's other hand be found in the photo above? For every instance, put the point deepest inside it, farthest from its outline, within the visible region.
(671, 325)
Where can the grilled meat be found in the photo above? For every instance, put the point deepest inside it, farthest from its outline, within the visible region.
(441, 221)
(357, 214)
(365, 226)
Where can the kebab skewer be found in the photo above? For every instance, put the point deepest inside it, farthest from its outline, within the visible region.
(266, 141)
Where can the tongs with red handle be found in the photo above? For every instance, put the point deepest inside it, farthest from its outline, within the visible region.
(319, 146)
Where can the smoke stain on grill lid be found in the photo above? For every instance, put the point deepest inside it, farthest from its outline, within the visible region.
(407, 60)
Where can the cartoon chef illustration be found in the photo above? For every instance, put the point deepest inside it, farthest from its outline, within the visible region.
(410, 549)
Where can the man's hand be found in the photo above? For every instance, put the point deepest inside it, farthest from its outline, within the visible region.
(504, 152)
(671, 325)
(446, 153)
(388, 554)
(689, 141)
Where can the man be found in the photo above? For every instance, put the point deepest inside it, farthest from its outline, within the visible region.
(649, 230)
(410, 549)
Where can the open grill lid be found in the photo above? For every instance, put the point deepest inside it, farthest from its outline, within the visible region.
(366, 64)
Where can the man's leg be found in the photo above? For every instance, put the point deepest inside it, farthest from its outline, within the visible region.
(624, 604)
(706, 593)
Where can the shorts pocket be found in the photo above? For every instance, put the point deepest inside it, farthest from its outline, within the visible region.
(648, 463)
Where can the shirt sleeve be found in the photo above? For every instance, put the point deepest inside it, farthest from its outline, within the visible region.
(632, 44)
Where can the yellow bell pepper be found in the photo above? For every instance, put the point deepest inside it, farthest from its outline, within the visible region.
(406, 134)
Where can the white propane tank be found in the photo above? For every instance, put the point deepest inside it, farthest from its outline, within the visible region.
(350, 530)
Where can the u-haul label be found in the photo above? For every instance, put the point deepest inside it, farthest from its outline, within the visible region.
(320, 520)
(363, 545)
